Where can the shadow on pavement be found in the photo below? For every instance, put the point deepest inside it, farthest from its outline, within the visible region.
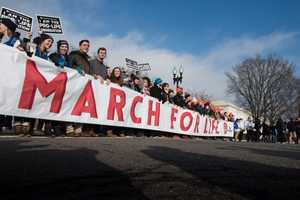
(35, 172)
(291, 153)
(224, 178)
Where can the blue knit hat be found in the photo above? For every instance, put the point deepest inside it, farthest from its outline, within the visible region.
(157, 81)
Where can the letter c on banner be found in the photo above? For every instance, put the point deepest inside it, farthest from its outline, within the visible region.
(136, 100)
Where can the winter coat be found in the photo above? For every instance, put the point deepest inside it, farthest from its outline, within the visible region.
(58, 60)
(156, 92)
(78, 59)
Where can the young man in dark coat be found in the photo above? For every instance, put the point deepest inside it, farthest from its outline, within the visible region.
(178, 98)
(156, 90)
(79, 60)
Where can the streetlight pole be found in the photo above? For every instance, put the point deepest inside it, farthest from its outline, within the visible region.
(177, 77)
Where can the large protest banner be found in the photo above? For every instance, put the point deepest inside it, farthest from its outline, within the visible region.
(23, 21)
(49, 24)
(32, 87)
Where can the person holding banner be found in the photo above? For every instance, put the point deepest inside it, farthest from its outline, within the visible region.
(8, 34)
(156, 90)
(44, 43)
(146, 86)
(165, 93)
(59, 58)
(79, 60)
(97, 66)
(116, 76)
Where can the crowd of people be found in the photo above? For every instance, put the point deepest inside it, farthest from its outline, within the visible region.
(80, 61)
(84, 64)
(263, 131)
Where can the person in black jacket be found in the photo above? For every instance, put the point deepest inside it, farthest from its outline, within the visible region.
(59, 58)
(178, 98)
(135, 83)
(79, 60)
(156, 90)
(291, 126)
(298, 130)
(165, 93)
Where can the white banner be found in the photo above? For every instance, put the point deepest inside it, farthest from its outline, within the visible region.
(36, 88)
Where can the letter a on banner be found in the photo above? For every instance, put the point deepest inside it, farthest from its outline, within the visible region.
(86, 102)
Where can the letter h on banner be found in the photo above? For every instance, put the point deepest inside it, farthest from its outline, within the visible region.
(153, 113)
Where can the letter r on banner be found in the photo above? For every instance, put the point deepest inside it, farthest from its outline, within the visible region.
(114, 105)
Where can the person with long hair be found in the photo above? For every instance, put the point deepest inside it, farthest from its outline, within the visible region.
(165, 92)
(8, 34)
(116, 76)
(146, 86)
(44, 43)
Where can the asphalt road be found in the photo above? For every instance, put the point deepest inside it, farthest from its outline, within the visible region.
(147, 168)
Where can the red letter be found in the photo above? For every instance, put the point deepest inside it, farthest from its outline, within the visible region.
(114, 105)
(173, 118)
(189, 115)
(206, 126)
(214, 126)
(35, 80)
(151, 113)
(86, 102)
(225, 128)
(196, 129)
(135, 119)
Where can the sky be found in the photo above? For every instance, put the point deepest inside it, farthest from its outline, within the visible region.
(206, 37)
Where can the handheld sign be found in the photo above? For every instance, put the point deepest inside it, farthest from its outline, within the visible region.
(144, 67)
(23, 21)
(48, 24)
(131, 64)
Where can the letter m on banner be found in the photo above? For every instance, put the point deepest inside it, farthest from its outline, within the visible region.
(35, 80)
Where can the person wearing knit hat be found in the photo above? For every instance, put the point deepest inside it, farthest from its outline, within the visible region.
(157, 81)
(156, 90)
(8, 33)
(60, 57)
(44, 43)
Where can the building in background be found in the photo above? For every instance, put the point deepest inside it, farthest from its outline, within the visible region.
(237, 111)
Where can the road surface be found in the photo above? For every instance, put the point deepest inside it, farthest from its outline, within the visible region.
(147, 168)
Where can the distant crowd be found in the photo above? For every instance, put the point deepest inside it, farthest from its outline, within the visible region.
(262, 131)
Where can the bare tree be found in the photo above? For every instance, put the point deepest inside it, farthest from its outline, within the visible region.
(265, 86)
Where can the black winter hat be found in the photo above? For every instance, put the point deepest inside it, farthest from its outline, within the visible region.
(9, 24)
(62, 42)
